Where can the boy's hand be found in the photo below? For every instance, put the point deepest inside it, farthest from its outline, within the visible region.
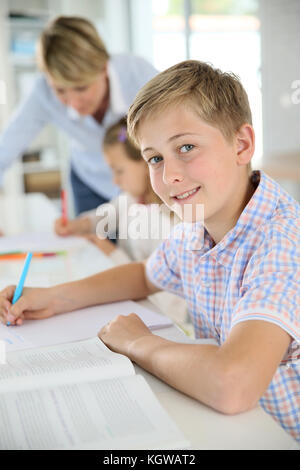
(120, 334)
(104, 245)
(35, 303)
(79, 226)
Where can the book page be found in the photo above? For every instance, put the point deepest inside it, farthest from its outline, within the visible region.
(112, 414)
(66, 363)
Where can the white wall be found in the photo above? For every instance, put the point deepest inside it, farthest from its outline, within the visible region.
(13, 181)
(110, 16)
(141, 28)
(5, 70)
(90, 9)
(280, 33)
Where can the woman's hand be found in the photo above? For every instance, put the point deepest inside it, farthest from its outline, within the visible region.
(120, 334)
(78, 226)
(34, 304)
(104, 245)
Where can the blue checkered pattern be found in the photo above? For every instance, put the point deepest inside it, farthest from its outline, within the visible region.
(252, 273)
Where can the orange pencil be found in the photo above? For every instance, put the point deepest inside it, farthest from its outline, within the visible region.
(11, 256)
(63, 195)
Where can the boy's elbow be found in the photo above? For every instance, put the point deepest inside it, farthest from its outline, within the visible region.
(235, 405)
(233, 395)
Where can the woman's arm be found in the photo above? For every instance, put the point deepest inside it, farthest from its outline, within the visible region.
(26, 122)
(230, 378)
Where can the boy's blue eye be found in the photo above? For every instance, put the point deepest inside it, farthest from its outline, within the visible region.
(154, 160)
(187, 148)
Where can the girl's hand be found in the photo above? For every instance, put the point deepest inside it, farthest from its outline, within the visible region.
(35, 303)
(120, 334)
(78, 226)
(104, 245)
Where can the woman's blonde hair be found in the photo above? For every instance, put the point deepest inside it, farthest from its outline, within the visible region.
(218, 98)
(71, 51)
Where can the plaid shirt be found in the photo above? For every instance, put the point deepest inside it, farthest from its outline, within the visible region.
(253, 273)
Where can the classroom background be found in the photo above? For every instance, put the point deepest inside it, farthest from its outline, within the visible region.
(256, 39)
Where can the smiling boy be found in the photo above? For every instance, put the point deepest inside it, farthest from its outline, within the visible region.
(239, 276)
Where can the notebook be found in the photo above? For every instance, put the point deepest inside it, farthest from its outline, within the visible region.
(75, 326)
(40, 242)
(80, 396)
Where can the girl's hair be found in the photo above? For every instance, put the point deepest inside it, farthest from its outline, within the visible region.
(71, 51)
(117, 134)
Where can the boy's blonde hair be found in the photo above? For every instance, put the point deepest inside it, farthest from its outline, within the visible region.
(71, 51)
(218, 98)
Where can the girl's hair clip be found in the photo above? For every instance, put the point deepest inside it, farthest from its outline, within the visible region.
(122, 135)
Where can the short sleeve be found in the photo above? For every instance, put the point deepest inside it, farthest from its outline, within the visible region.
(270, 289)
(163, 267)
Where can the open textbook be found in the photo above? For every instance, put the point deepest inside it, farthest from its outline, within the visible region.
(80, 396)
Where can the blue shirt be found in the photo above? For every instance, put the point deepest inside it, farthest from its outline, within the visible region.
(127, 74)
(253, 273)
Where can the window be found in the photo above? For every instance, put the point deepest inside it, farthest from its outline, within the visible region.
(224, 33)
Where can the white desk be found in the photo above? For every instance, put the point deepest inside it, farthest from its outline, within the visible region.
(202, 426)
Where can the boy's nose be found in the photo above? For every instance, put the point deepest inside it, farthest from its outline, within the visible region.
(172, 172)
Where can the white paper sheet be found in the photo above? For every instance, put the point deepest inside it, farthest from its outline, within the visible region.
(75, 326)
(40, 242)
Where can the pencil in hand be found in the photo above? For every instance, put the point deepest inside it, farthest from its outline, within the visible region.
(64, 206)
(19, 288)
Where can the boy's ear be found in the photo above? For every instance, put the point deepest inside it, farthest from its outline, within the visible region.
(245, 144)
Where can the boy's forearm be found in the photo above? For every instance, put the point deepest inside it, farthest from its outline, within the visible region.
(186, 367)
(120, 283)
(230, 378)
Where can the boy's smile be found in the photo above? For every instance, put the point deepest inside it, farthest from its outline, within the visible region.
(192, 163)
(186, 196)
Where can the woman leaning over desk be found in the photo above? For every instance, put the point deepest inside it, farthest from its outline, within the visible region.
(82, 90)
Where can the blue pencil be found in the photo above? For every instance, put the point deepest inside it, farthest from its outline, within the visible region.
(19, 288)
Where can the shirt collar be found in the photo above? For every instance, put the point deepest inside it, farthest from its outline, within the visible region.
(260, 208)
(73, 114)
(117, 101)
